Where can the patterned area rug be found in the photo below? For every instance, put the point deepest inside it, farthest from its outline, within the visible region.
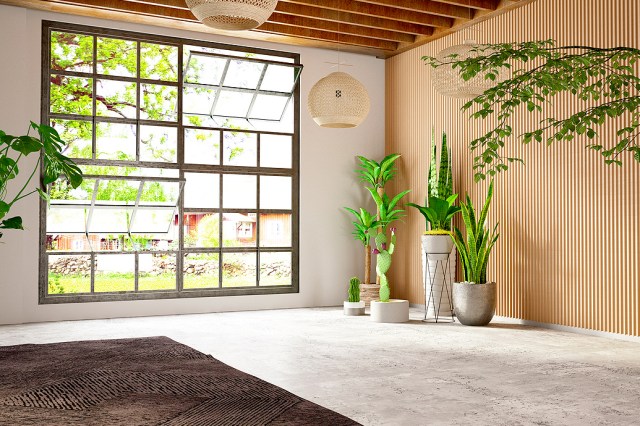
(151, 381)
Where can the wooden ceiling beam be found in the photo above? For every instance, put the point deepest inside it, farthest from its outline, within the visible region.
(430, 7)
(352, 18)
(362, 8)
(178, 4)
(327, 36)
(133, 7)
(473, 4)
(342, 28)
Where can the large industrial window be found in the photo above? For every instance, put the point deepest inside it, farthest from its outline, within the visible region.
(190, 155)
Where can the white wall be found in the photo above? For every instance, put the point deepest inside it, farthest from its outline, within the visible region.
(328, 254)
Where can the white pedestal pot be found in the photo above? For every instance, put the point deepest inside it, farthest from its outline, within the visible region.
(395, 310)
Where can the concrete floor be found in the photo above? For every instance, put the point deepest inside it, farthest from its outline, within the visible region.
(401, 374)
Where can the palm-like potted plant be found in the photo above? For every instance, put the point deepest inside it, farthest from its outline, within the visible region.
(49, 146)
(363, 226)
(474, 299)
(375, 176)
(386, 309)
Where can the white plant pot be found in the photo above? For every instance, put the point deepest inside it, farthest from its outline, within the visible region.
(354, 308)
(438, 246)
(442, 283)
(393, 311)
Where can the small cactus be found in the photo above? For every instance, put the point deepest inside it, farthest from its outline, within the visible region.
(354, 289)
(383, 251)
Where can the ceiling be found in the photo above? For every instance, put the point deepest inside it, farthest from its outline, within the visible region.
(381, 28)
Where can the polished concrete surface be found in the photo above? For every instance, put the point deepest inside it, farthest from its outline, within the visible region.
(401, 374)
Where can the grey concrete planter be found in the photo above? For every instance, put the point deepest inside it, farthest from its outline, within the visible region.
(474, 304)
(354, 308)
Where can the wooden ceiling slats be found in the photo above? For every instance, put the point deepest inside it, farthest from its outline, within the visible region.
(369, 9)
(326, 35)
(342, 28)
(353, 18)
(377, 27)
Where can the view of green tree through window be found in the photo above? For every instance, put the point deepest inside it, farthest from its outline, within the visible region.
(190, 155)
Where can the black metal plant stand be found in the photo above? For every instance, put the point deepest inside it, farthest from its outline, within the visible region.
(443, 264)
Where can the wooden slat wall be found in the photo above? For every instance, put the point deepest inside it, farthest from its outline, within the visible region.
(569, 250)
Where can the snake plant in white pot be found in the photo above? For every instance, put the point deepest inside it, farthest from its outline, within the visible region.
(474, 299)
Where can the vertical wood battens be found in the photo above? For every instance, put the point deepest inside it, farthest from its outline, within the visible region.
(569, 247)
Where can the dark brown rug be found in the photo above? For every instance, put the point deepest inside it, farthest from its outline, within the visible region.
(151, 381)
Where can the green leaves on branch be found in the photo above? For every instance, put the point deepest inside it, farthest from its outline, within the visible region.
(364, 223)
(377, 174)
(387, 206)
(476, 248)
(13, 148)
(603, 78)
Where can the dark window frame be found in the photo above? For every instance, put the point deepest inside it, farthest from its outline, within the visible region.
(44, 298)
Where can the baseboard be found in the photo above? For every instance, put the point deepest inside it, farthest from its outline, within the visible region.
(558, 327)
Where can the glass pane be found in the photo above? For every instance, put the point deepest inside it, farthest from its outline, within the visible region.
(71, 52)
(117, 57)
(201, 146)
(66, 220)
(275, 192)
(201, 270)
(275, 230)
(152, 220)
(202, 190)
(158, 62)
(156, 272)
(114, 272)
(116, 99)
(275, 269)
(233, 104)
(240, 149)
(69, 274)
(158, 102)
(150, 241)
(71, 95)
(238, 269)
(158, 144)
(205, 70)
(70, 242)
(198, 100)
(239, 229)
(268, 107)
(110, 220)
(117, 192)
(160, 193)
(77, 135)
(239, 191)
(243, 74)
(201, 230)
(115, 141)
(61, 192)
(276, 151)
(129, 171)
(278, 78)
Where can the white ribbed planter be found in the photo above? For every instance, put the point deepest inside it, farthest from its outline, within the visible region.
(436, 263)
(393, 311)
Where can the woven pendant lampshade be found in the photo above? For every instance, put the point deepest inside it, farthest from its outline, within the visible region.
(235, 15)
(447, 80)
(339, 101)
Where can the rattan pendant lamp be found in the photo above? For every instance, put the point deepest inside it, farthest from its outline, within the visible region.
(338, 101)
(234, 15)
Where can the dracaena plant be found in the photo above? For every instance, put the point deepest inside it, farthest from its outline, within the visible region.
(377, 174)
(388, 207)
(476, 247)
(48, 146)
(604, 80)
(363, 225)
(438, 214)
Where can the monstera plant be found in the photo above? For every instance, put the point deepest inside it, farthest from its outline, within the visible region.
(48, 146)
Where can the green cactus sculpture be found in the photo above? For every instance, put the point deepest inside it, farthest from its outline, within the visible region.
(354, 289)
(383, 253)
